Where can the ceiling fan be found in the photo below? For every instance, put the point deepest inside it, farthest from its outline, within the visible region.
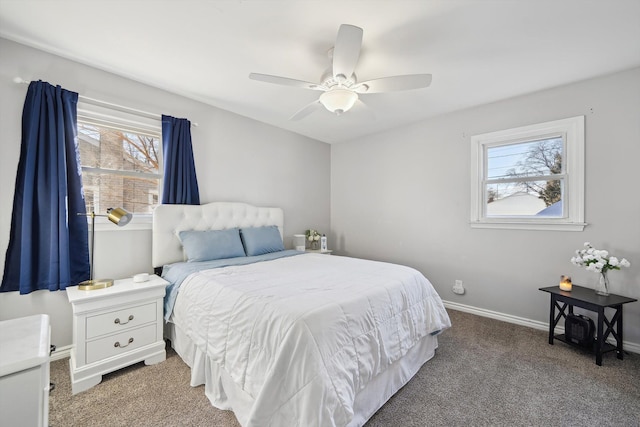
(339, 85)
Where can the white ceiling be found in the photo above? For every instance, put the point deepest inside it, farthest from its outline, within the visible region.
(478, 51)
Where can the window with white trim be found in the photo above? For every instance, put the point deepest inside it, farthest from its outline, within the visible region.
(530, 177)
(120, 155)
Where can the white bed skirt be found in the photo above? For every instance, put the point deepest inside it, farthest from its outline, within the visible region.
(225, 394)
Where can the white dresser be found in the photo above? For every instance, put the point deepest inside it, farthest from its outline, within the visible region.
(24, 371)
(115, 327)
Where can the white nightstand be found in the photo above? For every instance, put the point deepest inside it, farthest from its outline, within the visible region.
(24, 371)
(115, 327)
(319, 251)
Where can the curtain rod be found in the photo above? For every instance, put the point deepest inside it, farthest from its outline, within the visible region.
(20, 80)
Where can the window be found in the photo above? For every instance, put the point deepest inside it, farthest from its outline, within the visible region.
(530, 177)
(120, 154)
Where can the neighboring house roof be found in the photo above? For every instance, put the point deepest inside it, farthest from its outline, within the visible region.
(516, 204)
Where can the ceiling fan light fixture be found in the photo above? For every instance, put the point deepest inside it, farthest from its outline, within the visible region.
(338, 100)
(339, 84)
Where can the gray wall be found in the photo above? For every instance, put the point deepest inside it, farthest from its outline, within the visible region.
(404, 196)
(237, 159)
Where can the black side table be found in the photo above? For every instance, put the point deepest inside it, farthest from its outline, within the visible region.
(588, 299)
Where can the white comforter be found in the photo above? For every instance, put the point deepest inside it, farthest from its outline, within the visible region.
(302, 335)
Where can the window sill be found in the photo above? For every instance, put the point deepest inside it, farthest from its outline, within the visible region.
(573, 226)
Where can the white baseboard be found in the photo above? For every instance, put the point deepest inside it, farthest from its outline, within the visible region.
(543, 326)
(61, 353)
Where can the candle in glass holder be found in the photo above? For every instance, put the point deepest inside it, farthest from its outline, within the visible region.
(565, 283)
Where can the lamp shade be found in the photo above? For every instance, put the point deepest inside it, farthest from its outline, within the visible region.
(338, 100)
(119, 216)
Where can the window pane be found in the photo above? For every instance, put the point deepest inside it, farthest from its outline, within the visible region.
(115, 151)
(112, 149)
(527, 198)
(89, 145)
(104, 191)
(532, 158)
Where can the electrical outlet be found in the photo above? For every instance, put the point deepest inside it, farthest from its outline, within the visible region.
(458, 288)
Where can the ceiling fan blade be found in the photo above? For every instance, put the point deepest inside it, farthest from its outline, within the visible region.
(346, 51)
(394, 83)
(310, 108)
(286, 81)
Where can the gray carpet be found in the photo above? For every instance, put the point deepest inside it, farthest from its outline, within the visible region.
(485, 373)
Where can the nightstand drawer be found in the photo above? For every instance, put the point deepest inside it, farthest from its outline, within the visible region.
(123, 342)
(120, 320)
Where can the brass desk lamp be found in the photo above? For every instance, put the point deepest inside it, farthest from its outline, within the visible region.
(119, 217)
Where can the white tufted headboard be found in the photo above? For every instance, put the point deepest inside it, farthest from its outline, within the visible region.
(168, 220)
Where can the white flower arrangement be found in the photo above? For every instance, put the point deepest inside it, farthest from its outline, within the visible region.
(312, 235)
(597, 261)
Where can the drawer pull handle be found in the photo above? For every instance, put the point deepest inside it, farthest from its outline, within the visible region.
(117, 343)
(118, 322)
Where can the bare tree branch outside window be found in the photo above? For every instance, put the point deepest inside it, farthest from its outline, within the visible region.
(543, 158)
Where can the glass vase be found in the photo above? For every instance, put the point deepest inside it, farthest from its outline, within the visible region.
(603, 285)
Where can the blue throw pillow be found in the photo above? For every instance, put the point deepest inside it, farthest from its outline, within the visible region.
(211, 244)
(261, 240)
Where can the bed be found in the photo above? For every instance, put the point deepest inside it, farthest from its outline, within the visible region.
(288, 338)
